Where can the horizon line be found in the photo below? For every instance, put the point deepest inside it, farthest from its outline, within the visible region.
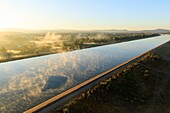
(48, 29)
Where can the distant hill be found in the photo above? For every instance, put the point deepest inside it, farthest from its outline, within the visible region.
(83, 31)
(157, 31)
(141, 31)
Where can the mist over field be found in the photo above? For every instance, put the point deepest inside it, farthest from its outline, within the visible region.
(17, 45)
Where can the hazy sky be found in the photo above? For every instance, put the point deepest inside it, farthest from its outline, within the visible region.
(85, 14)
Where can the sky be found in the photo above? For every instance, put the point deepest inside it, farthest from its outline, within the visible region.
(85, 14)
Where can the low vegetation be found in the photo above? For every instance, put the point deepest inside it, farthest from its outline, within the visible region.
(22, 45)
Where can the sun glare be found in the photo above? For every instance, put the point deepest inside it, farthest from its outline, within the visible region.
(8, 16)
(8, 21)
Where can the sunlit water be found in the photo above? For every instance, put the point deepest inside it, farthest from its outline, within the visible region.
(26, 83)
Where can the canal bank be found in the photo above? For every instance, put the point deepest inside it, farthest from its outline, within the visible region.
(142, 87)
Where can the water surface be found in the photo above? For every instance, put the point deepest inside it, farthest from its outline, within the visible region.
(26, 83)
